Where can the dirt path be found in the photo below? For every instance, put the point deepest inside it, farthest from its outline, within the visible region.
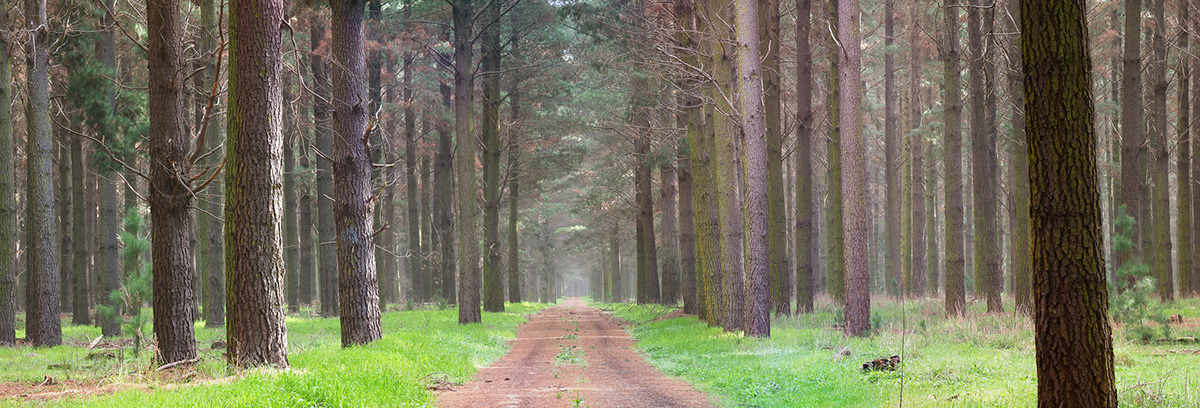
(567, 356)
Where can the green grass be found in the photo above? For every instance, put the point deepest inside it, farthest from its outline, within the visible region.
(983, 361)
(417, 347)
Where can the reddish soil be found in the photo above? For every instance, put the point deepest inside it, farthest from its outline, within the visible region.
(568, 356)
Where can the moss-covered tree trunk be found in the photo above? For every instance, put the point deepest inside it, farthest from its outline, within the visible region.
(254, 263)
(354, 205)
(1194, 133)
(726, 173)
(804, 167)
(8, 193)
(700, 153)
(1161, 266)
(687, 232)
(493, 268)
(988, 279)
(835, 236)
(1072, 333)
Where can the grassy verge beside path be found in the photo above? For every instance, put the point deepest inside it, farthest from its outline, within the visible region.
(982, 361)
(418, 348)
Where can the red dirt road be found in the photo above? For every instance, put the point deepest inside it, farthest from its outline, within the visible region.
(572, 356)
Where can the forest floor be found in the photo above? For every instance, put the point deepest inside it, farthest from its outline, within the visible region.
(572, 355)
(421, 351)
(984, 360)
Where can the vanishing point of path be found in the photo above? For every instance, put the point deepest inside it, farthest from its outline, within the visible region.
(567, 356)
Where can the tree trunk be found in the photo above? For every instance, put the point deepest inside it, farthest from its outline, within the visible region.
(1161, 267)
(443, 211)
(854, 179)
(645, 183)
(1194, 134)
(418, 276)
(254, 264)
(428, 237)
(754, 129)
(514, 190)
(358, 286)
(1183, 171)
(63, 148)
(891, 218)
(670, 237)
(308, 248)
(209, 228)
(385, 271)
(291, 239)
(833, 219)
(170, 195)
(769, 49)
(108, 261)
(1072, 333)
(687, 233)
(1018, 255)
(79, 267)
(493, 275)
(952, 100)
(467, 183)
(701, 148)
(326, 248)
(725, 173)
(804, 166)
(988, 281)
(917, 146)
(8, 193)
(1131, 126)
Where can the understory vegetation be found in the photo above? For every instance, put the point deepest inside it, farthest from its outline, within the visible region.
(420, 351)
(984, 360)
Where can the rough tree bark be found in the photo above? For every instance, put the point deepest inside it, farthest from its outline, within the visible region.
(254, 264)
(918, 146)
(955, 291)
(1072, 333)
(754, 129)
(358, 285)
(493, 277)
(804, 171)
(988, 281)
(854, 179)
(836, 275)
(78, 227)
(769, 49)
(8, 193)
(1183, 171)
(418, 277)
(1131, 125)
(170, 195)
(464, 157)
